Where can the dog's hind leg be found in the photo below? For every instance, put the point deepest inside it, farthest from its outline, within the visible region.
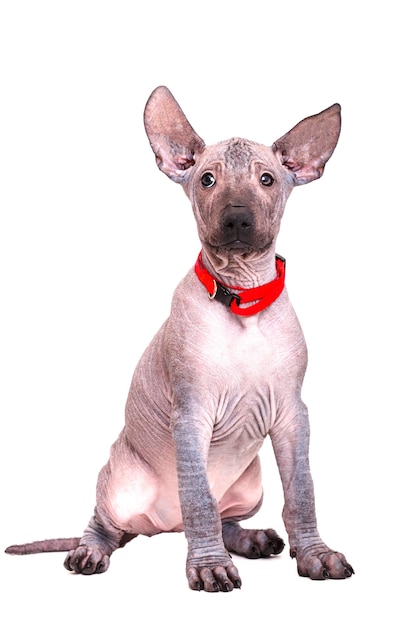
(251, 543)
(242, 501)
(99, 541)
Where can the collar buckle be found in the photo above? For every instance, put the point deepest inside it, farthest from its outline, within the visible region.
(223, 295)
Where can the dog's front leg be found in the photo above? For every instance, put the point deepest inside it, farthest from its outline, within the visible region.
(290, 440)
(209, 565)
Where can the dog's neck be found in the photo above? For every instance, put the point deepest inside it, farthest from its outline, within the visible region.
(245, 271)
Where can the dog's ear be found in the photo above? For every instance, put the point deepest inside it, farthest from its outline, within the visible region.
(173, 140)
(306, 148)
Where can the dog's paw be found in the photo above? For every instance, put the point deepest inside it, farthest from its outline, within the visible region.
(218, 578)
(253, 544)
(318, 562)
(87, 560)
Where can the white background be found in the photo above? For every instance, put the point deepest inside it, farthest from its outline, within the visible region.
(94, 239)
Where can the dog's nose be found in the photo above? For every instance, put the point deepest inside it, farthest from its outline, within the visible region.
(237, 220)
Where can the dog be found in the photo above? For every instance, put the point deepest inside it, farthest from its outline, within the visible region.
(223, 373)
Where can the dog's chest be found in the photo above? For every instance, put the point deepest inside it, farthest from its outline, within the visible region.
(234, 372)
(245, 378)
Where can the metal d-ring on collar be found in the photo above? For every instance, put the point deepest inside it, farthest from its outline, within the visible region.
(223, 295)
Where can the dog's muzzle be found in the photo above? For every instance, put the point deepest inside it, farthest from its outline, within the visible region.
(237, 227)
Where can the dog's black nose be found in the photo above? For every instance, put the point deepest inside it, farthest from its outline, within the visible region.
(237, 223)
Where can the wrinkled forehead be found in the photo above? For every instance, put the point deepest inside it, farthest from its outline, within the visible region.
(238, 154)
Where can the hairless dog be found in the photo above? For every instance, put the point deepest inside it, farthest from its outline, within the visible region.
(223, 372)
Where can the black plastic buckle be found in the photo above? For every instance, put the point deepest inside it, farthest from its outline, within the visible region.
(223, 295)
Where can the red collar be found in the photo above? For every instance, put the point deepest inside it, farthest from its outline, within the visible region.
(262, 296)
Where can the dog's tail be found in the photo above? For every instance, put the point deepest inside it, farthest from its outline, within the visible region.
(47, 545)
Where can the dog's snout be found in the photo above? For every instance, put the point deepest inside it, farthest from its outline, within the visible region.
(238, 226)
(237, 218)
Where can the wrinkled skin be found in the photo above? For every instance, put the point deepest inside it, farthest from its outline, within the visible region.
(212, 385)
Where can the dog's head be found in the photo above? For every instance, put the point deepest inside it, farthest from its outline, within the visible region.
(238, 188)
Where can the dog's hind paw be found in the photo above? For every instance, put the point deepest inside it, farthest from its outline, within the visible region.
(253, 544)
(87, 560)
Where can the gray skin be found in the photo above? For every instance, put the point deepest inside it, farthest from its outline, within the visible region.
(212, 385)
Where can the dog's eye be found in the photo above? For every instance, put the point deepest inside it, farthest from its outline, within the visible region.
(208, 180)
(266, 180)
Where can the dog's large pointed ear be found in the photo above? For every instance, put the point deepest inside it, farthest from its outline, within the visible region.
(306, 148)
(173, 140)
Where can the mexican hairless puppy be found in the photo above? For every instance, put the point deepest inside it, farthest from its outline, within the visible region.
(223, 372)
